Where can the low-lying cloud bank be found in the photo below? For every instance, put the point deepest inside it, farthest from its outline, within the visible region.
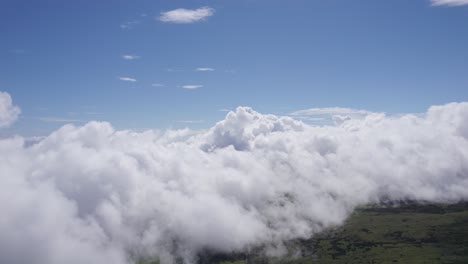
(91, 194)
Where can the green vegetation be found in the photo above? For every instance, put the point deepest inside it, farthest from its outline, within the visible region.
(409, 233)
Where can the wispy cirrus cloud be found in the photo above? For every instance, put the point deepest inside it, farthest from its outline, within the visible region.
(449, 2)
(330, 111)
(130, 57)
(336, 115)
(186, 16)
(202, 69)
(192, 86)
(127, 79)
(157, 85)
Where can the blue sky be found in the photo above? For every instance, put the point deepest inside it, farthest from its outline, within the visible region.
(120, 61)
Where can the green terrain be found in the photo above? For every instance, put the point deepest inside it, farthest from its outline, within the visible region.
(408, 233)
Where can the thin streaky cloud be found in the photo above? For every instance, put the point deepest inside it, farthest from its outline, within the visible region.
(192, 86)
(157, 85)
(449, 2)
(130, 57)
(204, 69)
(224, 110)
(127, 79)
(330, 111)
(186, 16)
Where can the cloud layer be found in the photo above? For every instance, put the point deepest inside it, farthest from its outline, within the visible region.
(93, 194)
(8, 112)
(186, 16)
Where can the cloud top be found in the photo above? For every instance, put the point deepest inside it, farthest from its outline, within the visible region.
(186, 16)
(104, 195)
(8, 112)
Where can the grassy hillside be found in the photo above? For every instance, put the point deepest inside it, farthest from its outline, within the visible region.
(409, 233)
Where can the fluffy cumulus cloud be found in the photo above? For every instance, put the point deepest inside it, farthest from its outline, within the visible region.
(186, 16)
(449, 2)
(93, 194)
(8, 112)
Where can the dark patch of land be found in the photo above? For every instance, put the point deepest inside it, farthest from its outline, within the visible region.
(406, 233)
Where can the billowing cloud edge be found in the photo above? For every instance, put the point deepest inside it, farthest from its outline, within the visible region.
(99, 194)
(9, 113)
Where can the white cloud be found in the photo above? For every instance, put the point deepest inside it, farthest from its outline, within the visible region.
(130, 57)
(185, 16)
(127, 79)
(204, 69)
(8, 112)
(99, 195)
(157, 85)
(449, 2)
(192, 86)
